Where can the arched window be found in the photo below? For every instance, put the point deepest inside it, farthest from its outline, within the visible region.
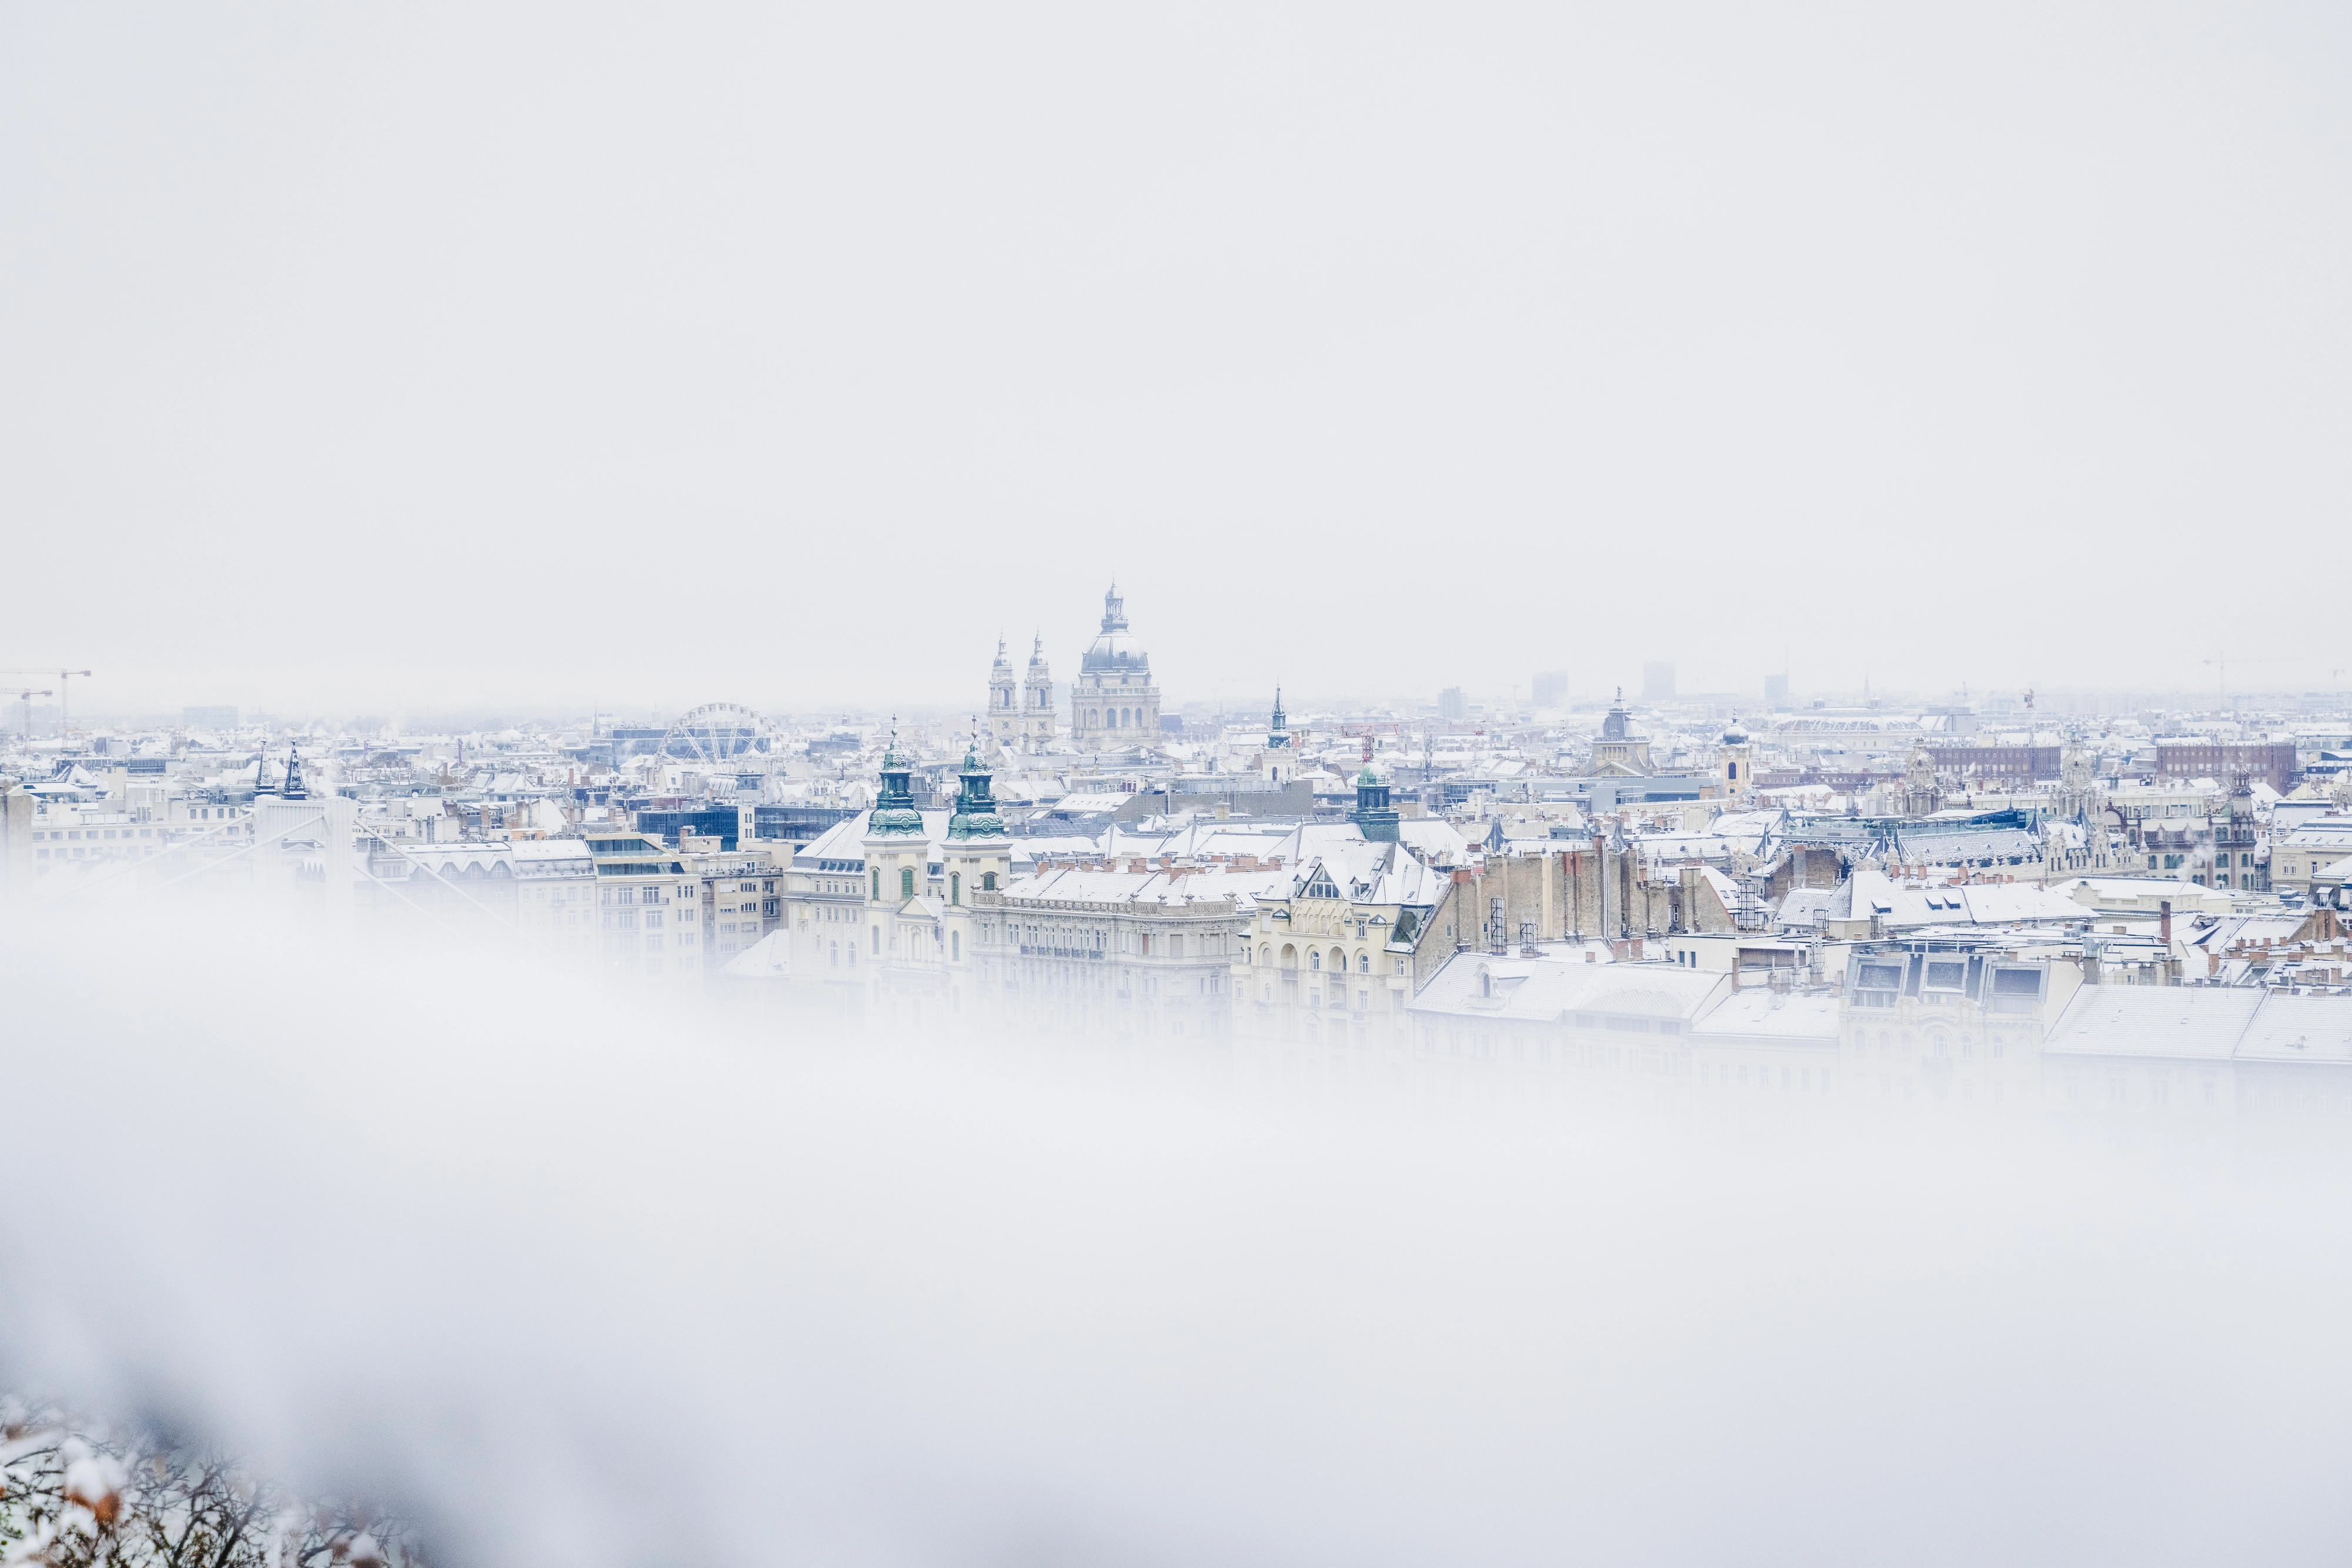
(877, 885)
(955, 887)
(1315, 958)
(906, 882)
(988, 882)
(955, 945)
(1363, 963)
(878, 938)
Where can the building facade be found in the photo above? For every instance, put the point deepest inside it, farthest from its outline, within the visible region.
(2272, 762)
(1114, 705)
(649, 910)
(1619, 750)
(1119, 954)
(1038, 718)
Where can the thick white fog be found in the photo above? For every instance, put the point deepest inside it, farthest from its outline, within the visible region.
(576, 1279)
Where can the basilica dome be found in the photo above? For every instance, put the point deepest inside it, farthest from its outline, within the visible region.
(1115, 650)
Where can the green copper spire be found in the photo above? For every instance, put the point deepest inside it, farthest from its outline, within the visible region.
(975, 813)
(894, 808)
(1375, 817)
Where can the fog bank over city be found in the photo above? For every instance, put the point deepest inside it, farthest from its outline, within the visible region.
(578, 1279)
(513, 359)
(1243, 785)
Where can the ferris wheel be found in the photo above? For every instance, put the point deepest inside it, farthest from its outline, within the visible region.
(718, 733)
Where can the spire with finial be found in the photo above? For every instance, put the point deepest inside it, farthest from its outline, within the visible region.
(1374, 817)
(894, 808)
(975, 813)
(294, 790)
(261, 780)
(1278, 732)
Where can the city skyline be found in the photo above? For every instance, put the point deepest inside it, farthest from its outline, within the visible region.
(1275, 784)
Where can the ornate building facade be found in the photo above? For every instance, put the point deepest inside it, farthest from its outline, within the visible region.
(1026, 723)
(1738, 753)
(1037, 718)
(1619, 750)
(1005, 721)
(1114, 704)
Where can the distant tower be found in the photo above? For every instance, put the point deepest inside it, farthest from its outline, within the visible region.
(2075, 791)
(1114, 705)
(1003, 718)
(978, 861)
(1620, 752)
(1738, 764)
(294, 790)
(895, 851)
(1037, 719)
(975, 808)
(1277, 733)
(1921, 795)
(262, 784)
(1375, 818)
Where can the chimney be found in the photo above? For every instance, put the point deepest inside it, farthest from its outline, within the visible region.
(2164, 927)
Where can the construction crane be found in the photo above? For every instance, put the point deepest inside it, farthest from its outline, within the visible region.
(2220, 665)
(27, 698)
(63, 676)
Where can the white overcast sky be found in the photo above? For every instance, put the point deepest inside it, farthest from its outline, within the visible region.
(362, 359)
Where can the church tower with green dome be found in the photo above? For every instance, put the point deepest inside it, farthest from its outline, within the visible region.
(979, 859)
(1375, 817)
(975, 812)
(895, 851)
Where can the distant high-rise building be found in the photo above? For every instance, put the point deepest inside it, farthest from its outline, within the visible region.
(1551, 687)
(1657, 682)
(1776, 692)
(208, 718)
(1451, 704)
